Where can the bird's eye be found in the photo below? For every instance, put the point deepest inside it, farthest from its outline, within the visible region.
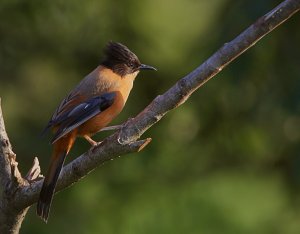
(130, 64)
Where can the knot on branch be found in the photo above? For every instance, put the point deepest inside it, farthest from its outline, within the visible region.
(16, 177)
(34, 172)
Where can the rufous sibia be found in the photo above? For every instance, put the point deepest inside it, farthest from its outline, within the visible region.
(89, 107)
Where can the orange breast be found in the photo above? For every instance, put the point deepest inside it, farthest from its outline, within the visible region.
(122, 88)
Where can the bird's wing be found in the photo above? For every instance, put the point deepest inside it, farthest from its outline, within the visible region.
(81, 93)
(69, 102)
(81, 113)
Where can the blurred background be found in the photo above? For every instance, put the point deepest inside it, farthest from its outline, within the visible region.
(227, 161)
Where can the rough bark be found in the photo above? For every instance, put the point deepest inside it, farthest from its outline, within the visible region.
(11, 217)
(16, 194)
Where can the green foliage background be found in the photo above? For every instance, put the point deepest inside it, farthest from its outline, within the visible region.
(228, 161)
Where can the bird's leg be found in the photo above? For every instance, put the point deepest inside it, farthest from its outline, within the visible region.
(90, 140)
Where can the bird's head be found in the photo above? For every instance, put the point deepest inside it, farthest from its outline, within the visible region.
(121, 60)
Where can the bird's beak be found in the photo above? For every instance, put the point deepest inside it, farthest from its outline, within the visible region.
(147, 67)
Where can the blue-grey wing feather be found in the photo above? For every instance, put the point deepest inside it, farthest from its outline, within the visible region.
(82, 113)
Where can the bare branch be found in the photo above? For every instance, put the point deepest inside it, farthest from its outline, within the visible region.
(10, 179)
(5, 171)
(81, 166)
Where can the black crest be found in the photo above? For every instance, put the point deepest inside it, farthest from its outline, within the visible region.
(120, 59)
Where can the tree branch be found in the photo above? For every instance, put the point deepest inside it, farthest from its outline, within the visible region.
(5, 171)
(125, 140)
(10, 180)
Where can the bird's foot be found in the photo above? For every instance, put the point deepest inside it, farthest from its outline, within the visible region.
(112, 128)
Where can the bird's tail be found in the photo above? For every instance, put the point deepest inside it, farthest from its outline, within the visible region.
(46, 194)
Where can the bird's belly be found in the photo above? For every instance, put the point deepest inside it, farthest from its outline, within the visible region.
(101, 120)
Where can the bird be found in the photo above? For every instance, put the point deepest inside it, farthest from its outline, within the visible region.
(89, 107)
